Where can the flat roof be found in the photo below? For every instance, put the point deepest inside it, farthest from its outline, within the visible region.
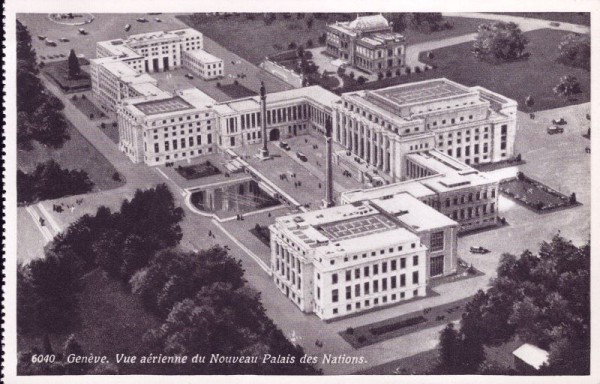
(424, 91)
(195, 97)
(383, 239)
(414, 187)
(148, 89)
(439, 162)
(120, 69)
(203, 56)
(356, 227)
(155, 107)
(532, 355)
(413, 213)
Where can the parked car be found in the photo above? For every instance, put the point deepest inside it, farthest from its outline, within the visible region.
(63, 40)
(554, 129)
(41, 37)
(301, 156)
(50, 43)
(158, 20)
(189, 76)
(479, 250)
(284, 145)
(142, 20)
(127, 27)
(560, 121)
(82, 31)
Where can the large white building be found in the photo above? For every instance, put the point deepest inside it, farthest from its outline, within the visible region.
(121, 67)
(382, 127)
(350, 258)
(449, 186)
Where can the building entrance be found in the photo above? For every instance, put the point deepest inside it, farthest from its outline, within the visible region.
(274, 134)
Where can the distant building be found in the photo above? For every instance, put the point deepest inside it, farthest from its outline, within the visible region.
(204, 64)
(449, 186)
(529, 358)
(122, 64)
(350, 258)
(368, 43)
(153, 51)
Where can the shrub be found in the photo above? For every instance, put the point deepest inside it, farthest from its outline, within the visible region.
(102, 125)
(74, 97)
(430, 55)
(417, 69)
(292, 45)
(388, 73)
(114, 124)
(518, 158)
(235, 82)
(83, 97)
(116, 176)
(361, 80)
(407, 70)
(361, 339)
(310, 43)
(91, 115)
(380, 75)
(520, 176)
(351, 75)
(350, 331)
(218, 84)
(398, 72)
(573, 198)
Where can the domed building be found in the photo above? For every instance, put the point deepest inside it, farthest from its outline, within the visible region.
(367, 43)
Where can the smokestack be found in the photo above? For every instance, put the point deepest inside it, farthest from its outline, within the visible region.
(328, 202)
(264, 151)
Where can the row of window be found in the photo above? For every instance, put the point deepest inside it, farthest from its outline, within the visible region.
(372, 287)
(468, 198)
(374, 268)
(374, 253)
(384, 300)
(471, 212)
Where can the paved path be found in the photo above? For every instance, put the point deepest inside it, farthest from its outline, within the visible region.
(526, 25)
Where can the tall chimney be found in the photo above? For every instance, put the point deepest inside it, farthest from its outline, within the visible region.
(328, 202)
(264, 151)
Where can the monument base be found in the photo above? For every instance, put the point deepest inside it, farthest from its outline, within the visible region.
(327, 204)
(263, 154)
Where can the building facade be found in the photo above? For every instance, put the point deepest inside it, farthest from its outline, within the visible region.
(204, 64)
(447, 185)
(346, 259)
(382, 127)
(367, 43)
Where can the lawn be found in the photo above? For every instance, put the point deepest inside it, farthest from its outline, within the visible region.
(402, 325)
(76, 153)
(197, 171)
(58, 72)
(86, 107)
(534, 194)
(535, 76)
(253, 40)
(236, 91)
(419, 364)
(582, 18)
(112, 320)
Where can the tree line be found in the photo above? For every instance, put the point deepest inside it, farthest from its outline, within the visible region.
(542, 299)
(49, 181)
(39, 113)
(202, 298)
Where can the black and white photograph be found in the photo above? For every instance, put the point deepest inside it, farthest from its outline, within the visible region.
(365, 190)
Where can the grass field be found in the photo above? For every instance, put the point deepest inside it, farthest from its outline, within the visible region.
(582, 18)
(87, 107)
(253, 40)
(76, 153)
(535, 76)
(236, 91)
(113, 320)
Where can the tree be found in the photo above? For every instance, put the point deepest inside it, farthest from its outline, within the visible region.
(529, 102)
(449, 350)
(567, 86)
(232, 322)
(309, 22)
(575, 50)
(542, 298)
(72, 347)
(73, 63)
(499, 41)
(426, 21)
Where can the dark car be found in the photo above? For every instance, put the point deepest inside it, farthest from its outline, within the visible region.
(301, 156)
(560, 121)
(284, 145)
(554, 129)
(479, 250)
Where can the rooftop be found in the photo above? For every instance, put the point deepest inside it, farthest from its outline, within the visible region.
(422, 92)
(203, 56)
(363, 24)
(155, 107)
(413, 213)
(195, 97)
(532, 355)
(120, 69)
(148, 89)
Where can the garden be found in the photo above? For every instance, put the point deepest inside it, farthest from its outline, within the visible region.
(262, 233)
(535, 195)
(197, 171)
(235, 90)
(85, 105)
(58, 71)
(404, 324)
